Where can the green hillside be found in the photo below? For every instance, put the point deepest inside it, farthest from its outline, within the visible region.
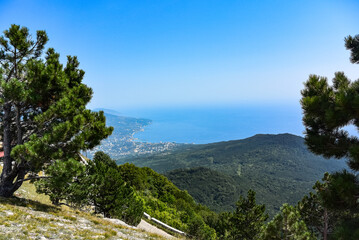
(207, 186)
(278, 167)
(163, 200)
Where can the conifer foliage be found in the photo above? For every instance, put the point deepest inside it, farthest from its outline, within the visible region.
(318, 218)
(43, 115)
(286, 225)
(248, 218)
(246, 222)
(327, 110)
(324, 211)
(98, 184)
(108, 192)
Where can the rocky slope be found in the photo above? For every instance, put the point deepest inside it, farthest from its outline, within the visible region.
(31, 216)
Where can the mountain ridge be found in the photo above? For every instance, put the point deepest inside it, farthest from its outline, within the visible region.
(279, 167)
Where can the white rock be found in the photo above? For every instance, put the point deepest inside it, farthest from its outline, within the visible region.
(9, 213)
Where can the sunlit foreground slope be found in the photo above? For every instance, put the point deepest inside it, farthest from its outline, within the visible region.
(32, 216)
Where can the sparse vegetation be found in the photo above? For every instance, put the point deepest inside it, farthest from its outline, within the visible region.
(97, 184)
(22, 218)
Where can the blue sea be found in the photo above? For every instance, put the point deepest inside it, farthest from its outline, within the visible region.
(213, 124)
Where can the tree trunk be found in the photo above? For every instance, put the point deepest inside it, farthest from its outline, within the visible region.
(18, 124)
(326, 219)
(11, 176)
(6, 178)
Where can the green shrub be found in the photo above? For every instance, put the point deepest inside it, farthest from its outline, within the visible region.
(198, 230)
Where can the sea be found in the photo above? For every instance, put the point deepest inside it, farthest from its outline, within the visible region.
(208, 124)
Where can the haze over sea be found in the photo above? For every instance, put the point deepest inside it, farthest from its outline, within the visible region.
(220, 123)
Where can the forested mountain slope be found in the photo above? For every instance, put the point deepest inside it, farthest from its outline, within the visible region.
(278, 167)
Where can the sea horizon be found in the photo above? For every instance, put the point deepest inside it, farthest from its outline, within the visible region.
(201, 125)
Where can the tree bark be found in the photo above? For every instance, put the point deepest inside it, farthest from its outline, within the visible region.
(6, 184)
(326, 224)
(11, 171)
(18, 124)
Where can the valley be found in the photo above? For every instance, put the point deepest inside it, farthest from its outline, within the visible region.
(278, 167)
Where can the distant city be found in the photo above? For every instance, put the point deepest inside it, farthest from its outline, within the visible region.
(122, 142)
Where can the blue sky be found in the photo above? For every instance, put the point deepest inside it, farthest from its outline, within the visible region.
(179, 53)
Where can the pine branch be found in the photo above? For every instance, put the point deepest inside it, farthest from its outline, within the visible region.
(32, 178)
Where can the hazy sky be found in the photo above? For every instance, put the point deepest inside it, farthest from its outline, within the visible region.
(172, 52)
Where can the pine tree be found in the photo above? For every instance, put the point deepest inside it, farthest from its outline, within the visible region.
(248, 218)
(67, 183)
(43, 115)
(109, 194)
(199, 230)
(327, 109)
(287, 225)
(319, 217)
(352, 44)
(98, 183)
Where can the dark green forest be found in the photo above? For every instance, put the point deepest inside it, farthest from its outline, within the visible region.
(279, 168)
(209, 187)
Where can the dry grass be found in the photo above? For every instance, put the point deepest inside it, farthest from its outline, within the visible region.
(30, 215)
(28, 219)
